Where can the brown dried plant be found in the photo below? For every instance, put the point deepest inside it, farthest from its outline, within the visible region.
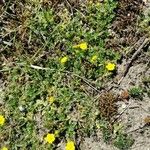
(107, 105)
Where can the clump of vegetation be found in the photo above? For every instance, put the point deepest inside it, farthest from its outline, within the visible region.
(107, 133)
(107, 105)
(123, 141)
(57, 57)
(114, 134)
(136, 92)
(145, 21)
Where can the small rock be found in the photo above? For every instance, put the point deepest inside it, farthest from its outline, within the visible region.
(124, 94)
(147, 120)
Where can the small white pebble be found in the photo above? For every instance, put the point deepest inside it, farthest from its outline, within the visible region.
(123, 106)
(21, 108)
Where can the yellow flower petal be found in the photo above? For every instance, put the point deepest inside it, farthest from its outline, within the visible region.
(83, 46)
(2, 120)
(70, 145)
(64, 60)
(110, 66)
(50, 138)
(4, 148)
(51, 99)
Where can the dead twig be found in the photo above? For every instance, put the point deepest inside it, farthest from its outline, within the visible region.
(69, 5)
(84, 79)
(72, 74)
(129, 63)
(121, 114)
(135, 45)
(141, 127)
(39, 68)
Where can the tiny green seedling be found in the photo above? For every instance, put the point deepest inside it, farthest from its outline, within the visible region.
(136, 92)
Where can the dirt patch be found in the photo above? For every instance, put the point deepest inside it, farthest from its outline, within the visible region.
(137, 109)
(91, 144)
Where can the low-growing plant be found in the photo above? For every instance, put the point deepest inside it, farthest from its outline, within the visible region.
(107, 133)
(123, 141)
(136, 92)
(58, 60)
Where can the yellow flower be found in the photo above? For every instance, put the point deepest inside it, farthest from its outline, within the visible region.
(64, 60)
(50, 138)
(4, 148)
(70, 145)
(82, 46)
(2, 120)
(94, 58)
(110, 66)
(51, 99)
